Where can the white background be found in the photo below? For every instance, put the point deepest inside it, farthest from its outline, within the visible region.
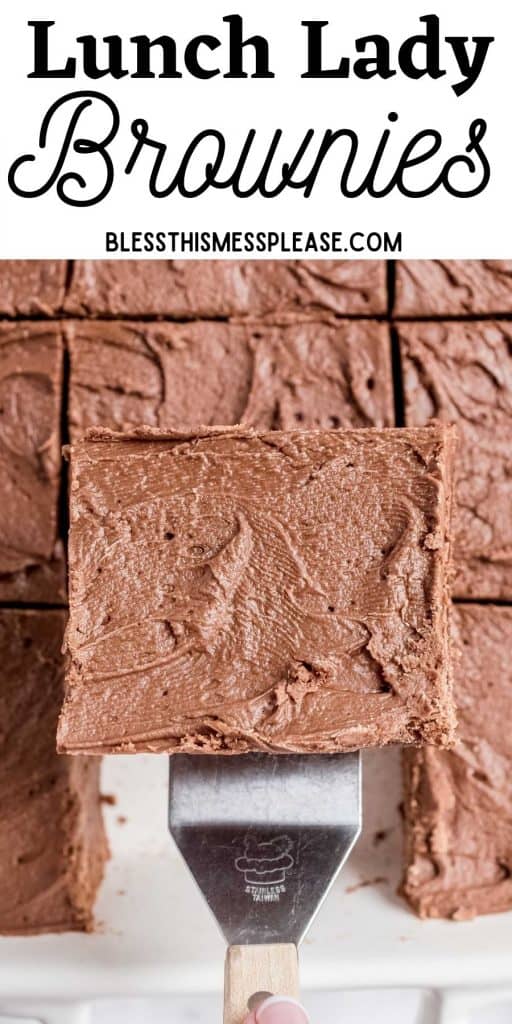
(437, 226)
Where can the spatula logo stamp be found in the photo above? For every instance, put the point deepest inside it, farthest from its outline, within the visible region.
(264, 865)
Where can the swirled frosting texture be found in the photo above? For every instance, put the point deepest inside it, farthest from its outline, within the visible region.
(236, 591)
(462, 373)
(31, 559)
(192, 289)
(453, 287)
(32, 287)
(288, 375)
(458, 806)
(52, 845)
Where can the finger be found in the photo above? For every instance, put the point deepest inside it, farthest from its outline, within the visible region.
(281, 1010)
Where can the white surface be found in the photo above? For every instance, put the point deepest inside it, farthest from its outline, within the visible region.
(389, 1006)
(438, 226)
(353, 1007)
(392, 1006)
(156, 935)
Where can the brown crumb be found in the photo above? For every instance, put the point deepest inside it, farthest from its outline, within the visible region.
(380, 835)
(108, 798)
(378, 880)
(463, 914)
(121, 819)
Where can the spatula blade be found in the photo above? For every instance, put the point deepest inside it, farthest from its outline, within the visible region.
(265, 836)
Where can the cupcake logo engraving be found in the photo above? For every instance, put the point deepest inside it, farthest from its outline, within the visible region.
(264, 866)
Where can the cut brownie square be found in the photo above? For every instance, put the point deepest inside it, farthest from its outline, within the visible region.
(284, 376)
(31, 556)
(235, 591)
(462, 373)
(453, 287)
(52, 844)
(193, 289)
(458, 806)
(32, 287)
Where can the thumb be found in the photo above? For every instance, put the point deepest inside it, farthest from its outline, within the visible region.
(280, 1010)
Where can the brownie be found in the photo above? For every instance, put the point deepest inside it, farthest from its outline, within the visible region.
(310, 374)
(52, 844)
(226, 288)
(453, 287)
(32, 287)
(458, 808)
(31, 555)
(462, 373)
(233, 590)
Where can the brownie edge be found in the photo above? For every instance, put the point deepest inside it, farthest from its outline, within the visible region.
(458, 803)
(462, 373)
(52, 842)
(32, 563)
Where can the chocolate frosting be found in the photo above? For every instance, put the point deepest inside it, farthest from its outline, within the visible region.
(293, 374)
(31, 560)
(462, 373)
(453, 287)
(235, 591)
(52, 845)
(459, 803)
(193, 289)
(32, 287)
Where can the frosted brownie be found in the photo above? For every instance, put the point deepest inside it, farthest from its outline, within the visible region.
(52, 845)
(462, 373)
(453, 287)
(32, 287)
(193, 289)
(458, 806)
(234, 591)
(284, 376)
(31, 556)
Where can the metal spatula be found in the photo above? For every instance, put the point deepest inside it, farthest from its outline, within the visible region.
(264, 837)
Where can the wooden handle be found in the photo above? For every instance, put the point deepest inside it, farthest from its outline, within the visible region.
(251, 969)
